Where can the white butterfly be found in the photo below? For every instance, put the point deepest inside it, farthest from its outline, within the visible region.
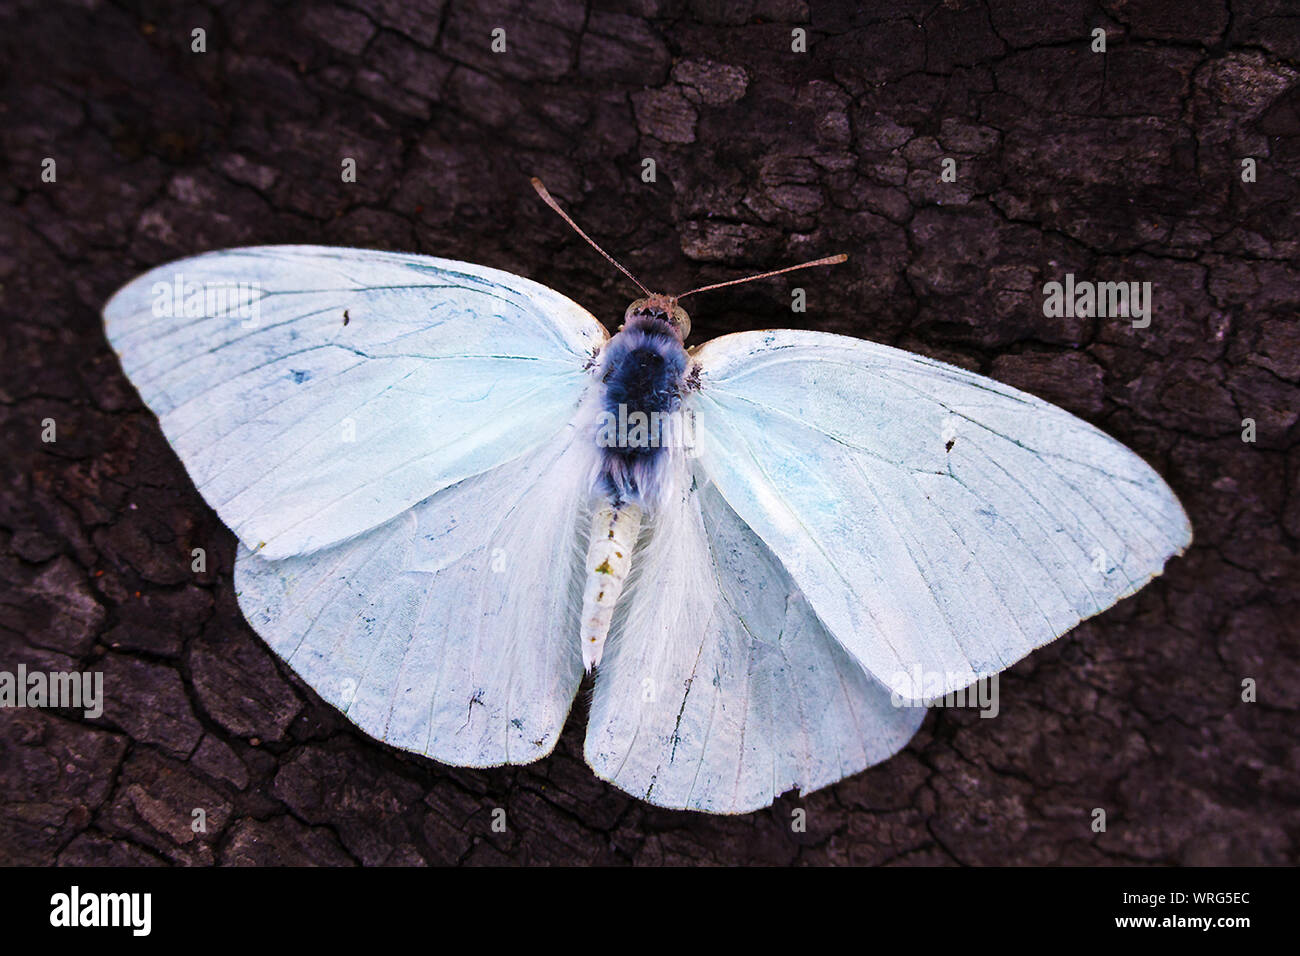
(407, 448)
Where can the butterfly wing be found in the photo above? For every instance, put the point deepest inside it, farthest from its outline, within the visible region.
(314, 393)
(452, 629)
(941, 524)
(719, 689)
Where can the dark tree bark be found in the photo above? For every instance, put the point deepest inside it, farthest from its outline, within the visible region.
(1125, 165)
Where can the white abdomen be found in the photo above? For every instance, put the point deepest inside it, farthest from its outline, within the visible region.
(614, 529)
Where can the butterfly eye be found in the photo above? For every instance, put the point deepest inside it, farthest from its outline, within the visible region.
(680, 321)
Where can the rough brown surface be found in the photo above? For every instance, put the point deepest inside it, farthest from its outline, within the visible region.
(1124, 166)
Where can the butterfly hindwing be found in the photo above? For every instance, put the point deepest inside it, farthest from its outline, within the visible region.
(720, 689)
(451, 630)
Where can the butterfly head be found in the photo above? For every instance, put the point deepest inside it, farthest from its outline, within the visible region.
(662, 308)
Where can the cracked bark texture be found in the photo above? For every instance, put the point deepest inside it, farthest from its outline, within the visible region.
(1123, 166)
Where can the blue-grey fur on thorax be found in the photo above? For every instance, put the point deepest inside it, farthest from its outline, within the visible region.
(643, 369)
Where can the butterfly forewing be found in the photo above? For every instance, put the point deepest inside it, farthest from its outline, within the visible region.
(302, 430)
(941, 524)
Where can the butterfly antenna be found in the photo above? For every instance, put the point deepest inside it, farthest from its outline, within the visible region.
(550, 201)
(828, 261)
